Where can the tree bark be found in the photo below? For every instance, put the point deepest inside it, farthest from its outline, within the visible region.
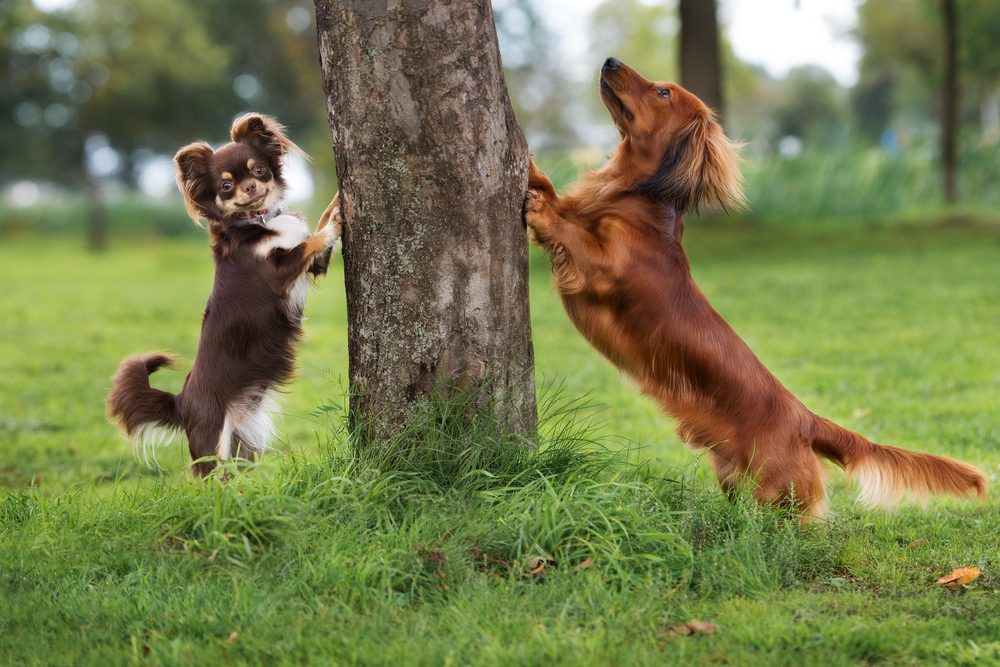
(701, 66)
(432, 169)
(949, 111)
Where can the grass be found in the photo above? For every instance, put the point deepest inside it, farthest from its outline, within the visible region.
(888, 327)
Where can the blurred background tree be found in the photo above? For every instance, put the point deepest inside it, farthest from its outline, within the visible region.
(700, 57)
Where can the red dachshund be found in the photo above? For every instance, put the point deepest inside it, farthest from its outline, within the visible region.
(615, 245)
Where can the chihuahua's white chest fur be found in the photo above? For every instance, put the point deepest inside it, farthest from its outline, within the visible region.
(292, 230)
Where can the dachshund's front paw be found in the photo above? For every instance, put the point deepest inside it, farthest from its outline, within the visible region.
(537, 213)
(534, 202)
(536, 207)
(536, 177)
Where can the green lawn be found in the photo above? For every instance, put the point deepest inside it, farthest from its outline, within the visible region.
(890, 328)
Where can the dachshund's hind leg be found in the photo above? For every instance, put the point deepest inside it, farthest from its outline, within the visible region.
(794, 481)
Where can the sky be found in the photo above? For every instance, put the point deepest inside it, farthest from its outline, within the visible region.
(777, 34)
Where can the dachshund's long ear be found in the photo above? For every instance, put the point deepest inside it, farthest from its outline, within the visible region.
(265, 134)
(194, 178)
(702, 166)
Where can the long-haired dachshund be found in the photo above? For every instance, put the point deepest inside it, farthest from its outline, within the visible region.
(254, 315)
(615, 244)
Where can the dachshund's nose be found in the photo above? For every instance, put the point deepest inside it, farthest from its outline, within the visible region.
(612, 63)
(250, 188)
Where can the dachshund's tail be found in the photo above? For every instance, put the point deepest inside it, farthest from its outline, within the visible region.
(885, 473)
(149, 416)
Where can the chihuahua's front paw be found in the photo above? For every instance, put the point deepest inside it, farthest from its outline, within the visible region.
(332, 223)
(337, 220)
(334, 230)
(331, 215)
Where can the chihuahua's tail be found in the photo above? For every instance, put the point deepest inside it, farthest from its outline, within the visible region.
(885, 473)
(149, 416)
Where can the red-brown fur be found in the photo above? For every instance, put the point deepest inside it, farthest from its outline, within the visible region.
(615, 244)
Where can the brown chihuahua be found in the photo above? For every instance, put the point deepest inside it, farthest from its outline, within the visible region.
(254, 315)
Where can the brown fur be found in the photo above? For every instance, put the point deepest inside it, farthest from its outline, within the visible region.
(615, 244)
(254, 314)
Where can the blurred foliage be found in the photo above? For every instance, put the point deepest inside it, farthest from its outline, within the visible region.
(865, 181)
(147, 75)
(855, 180)
(901, 66)
(538, 87)
(641, 34)
(806, 103)
(139, 78)
(813, 105)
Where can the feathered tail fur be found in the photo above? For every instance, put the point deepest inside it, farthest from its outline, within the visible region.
(148, 415)
(885, 473)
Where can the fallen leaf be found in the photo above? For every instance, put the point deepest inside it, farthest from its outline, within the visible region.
(959, 577)
(679, 630)
(692, 627)
(586, 564)
(702, 627)
(537, 565)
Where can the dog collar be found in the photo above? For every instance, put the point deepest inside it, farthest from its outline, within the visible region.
(261, 217)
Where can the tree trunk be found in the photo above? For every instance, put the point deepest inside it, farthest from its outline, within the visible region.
(949, 112)
(432, 169)
(701, 67)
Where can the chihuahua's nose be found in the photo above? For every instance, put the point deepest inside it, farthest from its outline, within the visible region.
(250, 188)
(612, 63)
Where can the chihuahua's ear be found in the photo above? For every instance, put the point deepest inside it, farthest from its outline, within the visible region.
(265, 134)
(194, 178)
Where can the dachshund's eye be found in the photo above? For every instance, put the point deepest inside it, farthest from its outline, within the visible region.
(663, 92)
(259, 170)
(227, 186)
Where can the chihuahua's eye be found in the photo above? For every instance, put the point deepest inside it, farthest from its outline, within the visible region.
(227, 186)
(259, 170)
(663, 92)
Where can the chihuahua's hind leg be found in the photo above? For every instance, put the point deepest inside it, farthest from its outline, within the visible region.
(207, 441)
